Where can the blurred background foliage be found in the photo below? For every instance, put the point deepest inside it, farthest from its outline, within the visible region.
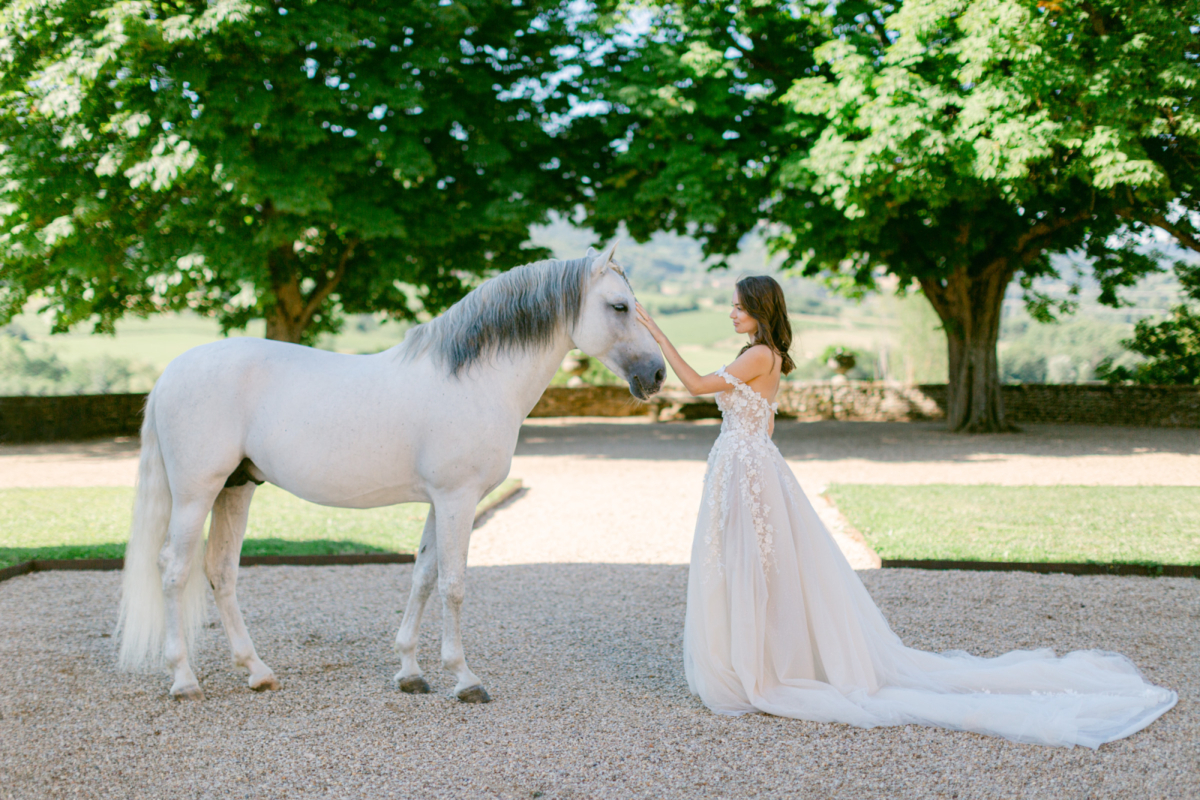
(894, 337)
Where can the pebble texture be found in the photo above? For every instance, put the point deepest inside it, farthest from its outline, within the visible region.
(583, 661)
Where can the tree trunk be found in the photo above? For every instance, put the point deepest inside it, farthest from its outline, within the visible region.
(287, 320)
(293, 312)
(970, 307)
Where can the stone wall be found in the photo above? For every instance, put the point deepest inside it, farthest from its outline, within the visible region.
(589, 401)
(1088, 404)
(80, 417)
(865, 401)
(861, 401)
(69, 417)
(1171, 407)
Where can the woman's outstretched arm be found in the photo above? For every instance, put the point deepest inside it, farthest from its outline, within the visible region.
(748, 366)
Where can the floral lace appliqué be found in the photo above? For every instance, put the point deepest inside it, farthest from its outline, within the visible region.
(744, 439)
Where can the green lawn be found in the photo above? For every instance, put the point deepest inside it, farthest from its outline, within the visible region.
(1099, 524)
(158, 340)
(94, 523)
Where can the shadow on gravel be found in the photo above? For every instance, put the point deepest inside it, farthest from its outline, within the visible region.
(892, 442)
(106, 448)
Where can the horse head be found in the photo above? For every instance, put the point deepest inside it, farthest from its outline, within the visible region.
(608, 328)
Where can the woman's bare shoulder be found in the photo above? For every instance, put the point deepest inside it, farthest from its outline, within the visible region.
(760, 355)
(757, 360)
(759, 348)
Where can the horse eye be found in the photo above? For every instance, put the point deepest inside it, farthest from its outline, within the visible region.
(620, 307)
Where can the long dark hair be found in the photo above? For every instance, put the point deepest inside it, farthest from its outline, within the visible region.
(761, 297)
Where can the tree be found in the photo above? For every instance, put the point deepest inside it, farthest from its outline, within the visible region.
(286, 161)
(1171, 346)
(956, 144)
(693, 109)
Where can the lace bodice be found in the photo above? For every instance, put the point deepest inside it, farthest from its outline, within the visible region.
(745, 412)
(743, 448)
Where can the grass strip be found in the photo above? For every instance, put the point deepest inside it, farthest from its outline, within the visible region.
(1078, 524)
(93, 522)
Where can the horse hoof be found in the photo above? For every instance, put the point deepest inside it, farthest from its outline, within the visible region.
(193, 692)
(475, 694)
(268, 684)
(415, 684)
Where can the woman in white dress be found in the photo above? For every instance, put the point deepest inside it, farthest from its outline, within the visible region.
(778, 622)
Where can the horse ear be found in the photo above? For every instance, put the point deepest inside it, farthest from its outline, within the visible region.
(591, 253)
(601, 262)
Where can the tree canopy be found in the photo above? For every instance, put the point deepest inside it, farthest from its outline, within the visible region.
(955, 144)
(286, 161)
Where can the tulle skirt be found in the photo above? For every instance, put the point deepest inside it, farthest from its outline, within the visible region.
(778, 622)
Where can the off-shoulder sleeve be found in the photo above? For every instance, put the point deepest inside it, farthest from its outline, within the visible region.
(730, 379)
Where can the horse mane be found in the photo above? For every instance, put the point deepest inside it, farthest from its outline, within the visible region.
(521, 309)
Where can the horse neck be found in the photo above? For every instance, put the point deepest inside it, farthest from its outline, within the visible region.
(524, 375)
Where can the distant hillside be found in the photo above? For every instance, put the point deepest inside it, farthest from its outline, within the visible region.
(894, 337)
(670, 273)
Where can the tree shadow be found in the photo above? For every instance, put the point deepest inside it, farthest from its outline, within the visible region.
(103, 448)
(891, 442)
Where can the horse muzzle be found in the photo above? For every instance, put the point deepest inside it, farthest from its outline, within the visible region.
(645, 379)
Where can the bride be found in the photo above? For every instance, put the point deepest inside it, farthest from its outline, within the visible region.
(778, 622)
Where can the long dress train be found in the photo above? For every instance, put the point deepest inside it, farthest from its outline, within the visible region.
(778, 622)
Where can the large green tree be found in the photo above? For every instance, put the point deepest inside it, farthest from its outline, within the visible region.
(955, 144)
(281, 160)
(693, 104)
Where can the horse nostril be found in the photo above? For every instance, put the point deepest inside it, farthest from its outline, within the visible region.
(659, 375)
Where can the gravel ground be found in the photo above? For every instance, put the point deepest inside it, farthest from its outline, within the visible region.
(574, 620)
(590, 701)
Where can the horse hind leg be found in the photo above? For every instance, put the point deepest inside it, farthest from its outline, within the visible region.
(183, 591)
(424, 579)
(230, 512)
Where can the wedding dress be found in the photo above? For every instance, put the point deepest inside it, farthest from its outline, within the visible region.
(778, 622)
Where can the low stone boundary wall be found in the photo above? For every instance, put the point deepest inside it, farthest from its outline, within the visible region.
(860, 401)
(864, 401)
(69, 417)
(1096, 404)
(1059, 404)
(80, 417)
(590, 401)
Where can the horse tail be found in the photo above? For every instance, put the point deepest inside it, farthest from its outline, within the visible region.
(142, 621)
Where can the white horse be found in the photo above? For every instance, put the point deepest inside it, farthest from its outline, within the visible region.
(434, 419)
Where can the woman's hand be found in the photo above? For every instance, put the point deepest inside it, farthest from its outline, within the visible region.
(650, 324)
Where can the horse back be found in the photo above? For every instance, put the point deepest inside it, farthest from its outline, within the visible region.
(345, 430)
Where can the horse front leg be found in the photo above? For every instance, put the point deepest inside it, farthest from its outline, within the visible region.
(455, 518)
(425, 573)
(230, 512)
